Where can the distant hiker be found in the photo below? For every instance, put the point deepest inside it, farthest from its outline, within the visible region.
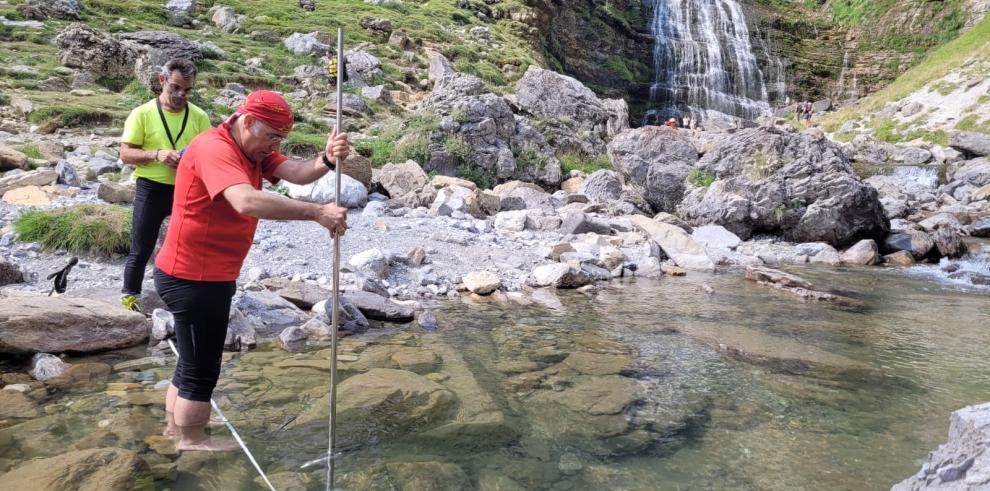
(685, 122)
(154, 134)
(809, 110)
(672, 123)
(693, 123)
(330, 62)
(218, 201)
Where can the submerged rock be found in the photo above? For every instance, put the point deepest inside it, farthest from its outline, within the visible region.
(99, 469)
(787, 282)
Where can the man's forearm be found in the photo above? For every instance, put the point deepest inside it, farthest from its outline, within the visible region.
(309, 170)
(260, 204)
(134, 156)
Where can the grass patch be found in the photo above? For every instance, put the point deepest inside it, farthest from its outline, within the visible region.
(972, 123)
(103, 229)
(618, 66)
(477, 175)
(528, 156)
(890, 131)
(700, 178)
(764, 165)
(71, 116)
(4, 100)
(32, 151)
(576, 161)
(937, 64)
(379, 150)
(945, 88)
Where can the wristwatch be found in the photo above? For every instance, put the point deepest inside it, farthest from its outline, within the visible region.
(330, 165)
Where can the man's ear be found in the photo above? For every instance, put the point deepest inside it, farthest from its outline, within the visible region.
(161, 81)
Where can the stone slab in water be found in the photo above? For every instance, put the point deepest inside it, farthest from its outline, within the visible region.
(963, 462)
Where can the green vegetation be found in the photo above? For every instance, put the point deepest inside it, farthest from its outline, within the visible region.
(974, 43)
(456, 147)
(764, 165)
(890, 131)
(71, 116)
(378, 150)
(477, 175)
(700, 178)
(528, 156)
(972, 123)
(576, 161)
(4, 99)
(945, 88)
(101, 229)
(618, 66)
(32, 151)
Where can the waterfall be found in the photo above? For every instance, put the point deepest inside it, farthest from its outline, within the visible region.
(703, 62)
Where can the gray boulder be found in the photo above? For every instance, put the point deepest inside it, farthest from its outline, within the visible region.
(577, 119)
(226, 18)
(187, 6)
(306, 44)
(10, 273)
(273, 311)
(154, 49)
(81, 46)
(51, 9)
(602, 186)
(900, 196)
(916, 242)
(377, 307)
(363, 68)
(656, 159)
(116, 192)
(963, 462)
(499, 144)
(799, 186)
(971, 143)
(974, 172)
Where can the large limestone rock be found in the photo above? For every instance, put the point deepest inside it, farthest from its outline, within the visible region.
(971, 143)
(64, 324)
(675, 242)
(963, 462)
(602, 186)
(81, 46)
(353, 194)
(98, 469)
(154, 49)
(554, 97)
(863, 253)
(799, 186)
(656, 159)
(559, 275)
(482, 282)
(974, 172)
(363, 68)
(12, 159)
(40, 177)
(500, 144)
(51, 9)
(306, 44)
(900, 196)
(407, 184)
(116, 192)
(302, 295)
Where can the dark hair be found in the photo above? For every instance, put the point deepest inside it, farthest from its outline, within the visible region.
(184, 66)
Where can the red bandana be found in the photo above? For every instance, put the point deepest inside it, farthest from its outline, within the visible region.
(270, 108)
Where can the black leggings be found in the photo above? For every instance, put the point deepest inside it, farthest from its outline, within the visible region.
(201, 310)
(152, 203)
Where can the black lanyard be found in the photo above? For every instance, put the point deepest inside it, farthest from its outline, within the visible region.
(168, 132)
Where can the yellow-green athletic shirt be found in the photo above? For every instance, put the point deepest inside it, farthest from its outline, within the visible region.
(144, 128)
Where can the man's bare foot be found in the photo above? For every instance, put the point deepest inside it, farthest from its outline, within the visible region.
(172, 431)
(211, 444)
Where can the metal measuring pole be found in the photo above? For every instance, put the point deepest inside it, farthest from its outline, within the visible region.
(335, 313)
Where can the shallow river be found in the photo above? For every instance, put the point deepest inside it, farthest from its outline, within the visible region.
(702, 382)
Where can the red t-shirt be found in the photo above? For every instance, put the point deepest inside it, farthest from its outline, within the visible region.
(207, 239)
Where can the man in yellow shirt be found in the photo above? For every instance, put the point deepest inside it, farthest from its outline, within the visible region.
(154, 135)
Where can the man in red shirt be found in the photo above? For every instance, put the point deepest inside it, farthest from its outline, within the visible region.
(218, 201)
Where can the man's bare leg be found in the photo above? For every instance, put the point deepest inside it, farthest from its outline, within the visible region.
(170, 428)
(191, 418)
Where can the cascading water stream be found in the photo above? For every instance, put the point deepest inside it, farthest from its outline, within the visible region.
(704, 64)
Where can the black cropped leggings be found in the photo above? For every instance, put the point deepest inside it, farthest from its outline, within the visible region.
(152, 203)
(201, 310)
